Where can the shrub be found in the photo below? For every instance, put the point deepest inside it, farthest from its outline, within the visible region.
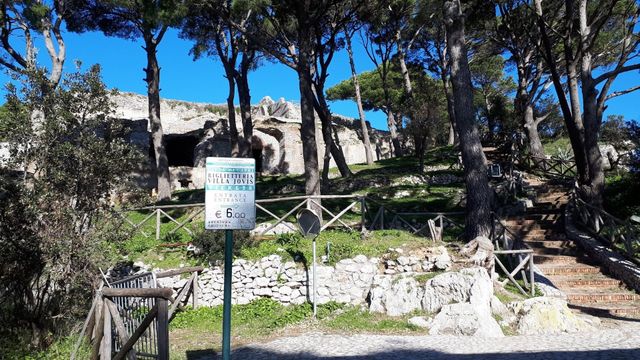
(212, 243)
(51, 233)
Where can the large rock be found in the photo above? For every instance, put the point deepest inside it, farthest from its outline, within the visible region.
(609, 156)
(395, 295)
(471, 285)
(547, 315)
(464, 319)
(282, 228)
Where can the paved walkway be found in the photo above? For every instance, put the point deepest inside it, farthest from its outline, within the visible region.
(618, 343)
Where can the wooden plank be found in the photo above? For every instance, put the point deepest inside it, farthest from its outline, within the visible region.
(333, 216)
(164, 293)
(158, 218)
(274, 216)
(187, 221)
(196, 291)
(144, 324)
(284, 217)
(98, 330)
(338, 216)
(175, 272)
(163, 330)
(509, 276)
(106, 333)
(183, 292)
(122, 331)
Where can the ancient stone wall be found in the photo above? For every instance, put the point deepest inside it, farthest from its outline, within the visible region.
(276, 142)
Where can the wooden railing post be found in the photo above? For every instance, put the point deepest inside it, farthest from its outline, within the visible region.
(163, 329)
(158, 219)
(532, 275)
(106, 332)
(362, 215)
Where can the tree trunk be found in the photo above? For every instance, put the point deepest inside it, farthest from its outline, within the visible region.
(244, 96)
(491, 123)
(524, 111)
(363, 122)
(391, 123)
(153, 93)
(531, 129)
(478, 209)
(403, 69)
(453, 133)
(592, 191)
(308, 126)
(324, 113)
(231, 109)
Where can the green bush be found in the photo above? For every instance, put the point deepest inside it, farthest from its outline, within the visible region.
(212, 243)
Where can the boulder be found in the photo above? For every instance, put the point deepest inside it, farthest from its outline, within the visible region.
(500, 310)
(282, 228)
(469, 285)
(394, 295)
(547, 315)
(609, 156)
(420, 322)
(464, 319)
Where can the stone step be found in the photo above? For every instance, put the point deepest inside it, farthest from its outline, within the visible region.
(564, 251)
(542, 243)
(552, 269)
(608, 297)
(602, 282)
(559, 234)
(527, 227)
(623, 310)
(554, 259)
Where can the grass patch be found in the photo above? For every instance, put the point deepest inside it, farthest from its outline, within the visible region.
(557, 147)
(259, 317)
(17, 347)
(510, 287)
(357, 319)
(341, 245)
(423, 278)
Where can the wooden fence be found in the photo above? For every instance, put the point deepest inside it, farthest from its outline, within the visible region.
(551, 167)
(371, 214)
(512, 256)
(159, 212)
(617, 233)
(129, 318)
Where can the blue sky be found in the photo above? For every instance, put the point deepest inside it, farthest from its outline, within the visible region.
(182, 78)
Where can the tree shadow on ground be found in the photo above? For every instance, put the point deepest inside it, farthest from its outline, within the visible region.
(248, 353)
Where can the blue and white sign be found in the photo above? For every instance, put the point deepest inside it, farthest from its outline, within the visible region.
(230, 194)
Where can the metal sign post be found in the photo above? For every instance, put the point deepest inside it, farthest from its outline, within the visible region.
(229, 205)
(309, 224)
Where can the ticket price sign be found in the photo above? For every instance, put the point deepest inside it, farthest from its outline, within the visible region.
(230, 188)
(230, 204)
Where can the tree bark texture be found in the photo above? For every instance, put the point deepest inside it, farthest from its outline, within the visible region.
(244, 96)
(231, 109)
(334, 148)
(308, 126)
(363, 122)
(451, 111)
(153, 93)
(531, 129)
(393, 131)
(479, 195)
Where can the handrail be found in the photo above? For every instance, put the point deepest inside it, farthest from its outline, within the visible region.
(612, 230)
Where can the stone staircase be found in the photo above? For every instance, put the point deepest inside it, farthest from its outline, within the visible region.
(588, 288)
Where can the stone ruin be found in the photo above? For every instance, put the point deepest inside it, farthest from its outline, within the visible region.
(194, 131)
